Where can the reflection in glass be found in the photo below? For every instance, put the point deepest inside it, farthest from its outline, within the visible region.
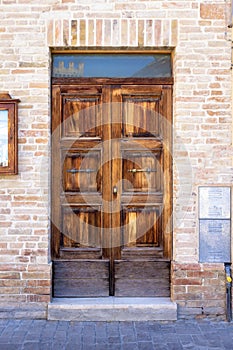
(3, 138)
(112, 65)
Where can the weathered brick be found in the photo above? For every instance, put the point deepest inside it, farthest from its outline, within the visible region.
(99, 33)
(212, 11)
(74, 32)
(9, 275)
(201, 116)
(187, 281)
(91, 35)
(82, 31)
(125, 32)
(31, 275)
(141, 32)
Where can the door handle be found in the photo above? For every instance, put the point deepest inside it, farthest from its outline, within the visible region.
(148, 170)
(74, 171)
(114, 191)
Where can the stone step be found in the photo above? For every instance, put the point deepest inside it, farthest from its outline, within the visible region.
(112, 309)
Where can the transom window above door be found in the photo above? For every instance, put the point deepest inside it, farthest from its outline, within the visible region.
(111, 65)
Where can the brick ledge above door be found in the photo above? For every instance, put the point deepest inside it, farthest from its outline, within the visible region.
(112, 32)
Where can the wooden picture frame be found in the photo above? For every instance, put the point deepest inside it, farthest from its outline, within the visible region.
(8, 134)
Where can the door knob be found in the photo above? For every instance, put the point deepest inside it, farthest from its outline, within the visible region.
(114, 190)
(147, 170)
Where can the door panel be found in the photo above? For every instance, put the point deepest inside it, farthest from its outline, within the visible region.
(82, 171)
(139, 220)
(145, 155)
(141, 110)
(82, 278)
(80, 116)
(141, 171)
(81, 227)
(154, 275)
(80, 267)
(111, 196)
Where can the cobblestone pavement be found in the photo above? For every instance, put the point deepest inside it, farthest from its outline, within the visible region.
(57, 335)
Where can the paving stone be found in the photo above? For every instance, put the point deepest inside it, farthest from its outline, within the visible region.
(98, 347)
(58, 346)
(142, 336)
(160, 347)
(60, 335)
(113, 329)
(227, 343)
(174, 345)
(114, 340)
(194, 347)
(31, 346)
(129, 338)
(72, 346)
(185, 339)
(154, 327)
(47, 346)
(4, 339)
(145, 345)
(130, 346)
(114, 347)
(50, 335)
(89, 346)
(158, 340)
(101, 340)
(74, 337)
(127, 328)
(168, 329)
(172, 337)
(185, 330)
(200, 340)
(10, 347)
(61, 325)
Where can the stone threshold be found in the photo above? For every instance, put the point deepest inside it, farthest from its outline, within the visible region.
(112, 309)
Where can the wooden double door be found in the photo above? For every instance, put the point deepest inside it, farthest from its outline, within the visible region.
(111, 188)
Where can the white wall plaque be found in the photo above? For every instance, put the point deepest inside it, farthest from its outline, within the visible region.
(214, 202)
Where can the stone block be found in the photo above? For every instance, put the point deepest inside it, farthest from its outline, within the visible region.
(112, 309)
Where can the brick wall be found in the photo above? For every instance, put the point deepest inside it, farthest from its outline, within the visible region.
(196, 30)
(199, 290)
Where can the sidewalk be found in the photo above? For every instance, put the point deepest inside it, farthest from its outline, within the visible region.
(44, 335)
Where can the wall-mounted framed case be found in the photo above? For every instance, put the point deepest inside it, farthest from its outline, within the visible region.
(8, 134)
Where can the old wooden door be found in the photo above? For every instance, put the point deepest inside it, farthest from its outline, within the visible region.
(111, 188)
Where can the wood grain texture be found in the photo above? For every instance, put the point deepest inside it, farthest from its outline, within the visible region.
(80, 269)
(142, 278)
(112, 81)
(80, 253)
(74, 288)
(141, 288)
(141, 253)
(81, 278)
(121, 129)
